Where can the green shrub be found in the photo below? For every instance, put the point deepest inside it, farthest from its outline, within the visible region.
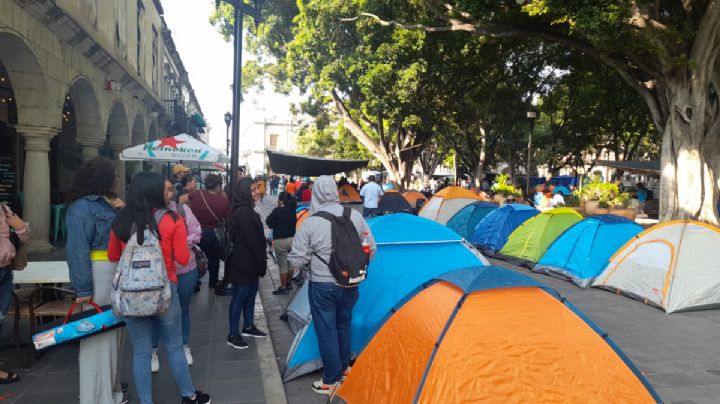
(502, 187)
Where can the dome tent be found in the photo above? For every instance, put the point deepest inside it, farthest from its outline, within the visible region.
(490, 334)
(393, 202)
(492, 232)
(410, 251)
(673, 265)
(465, 221)
(584, 250)
(446, 203)
(528, 243)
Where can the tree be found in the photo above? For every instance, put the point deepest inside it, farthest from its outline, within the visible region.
(666, 50)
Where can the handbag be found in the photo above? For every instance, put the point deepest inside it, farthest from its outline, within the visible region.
(19, 262)
(76, 326)
(202, 261)
(224, 244)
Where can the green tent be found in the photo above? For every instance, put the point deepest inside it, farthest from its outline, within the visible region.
(528, 243)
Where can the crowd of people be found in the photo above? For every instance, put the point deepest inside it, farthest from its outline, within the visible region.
(190, 226)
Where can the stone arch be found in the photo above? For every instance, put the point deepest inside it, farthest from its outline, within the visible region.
(33, 98)
(118, 132)
(138, 130)
(87, 109)
(152, 132)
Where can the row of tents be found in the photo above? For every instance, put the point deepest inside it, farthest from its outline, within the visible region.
(436, 323)
(672, 265)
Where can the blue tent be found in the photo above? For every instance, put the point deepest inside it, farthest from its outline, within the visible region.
(492, 232)
(584, 250)
(411, 250)
(465, 221)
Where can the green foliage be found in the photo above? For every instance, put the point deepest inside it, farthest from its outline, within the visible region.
(503, 187)
(608, 194)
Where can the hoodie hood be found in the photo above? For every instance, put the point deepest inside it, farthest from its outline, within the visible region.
(243, 193)
(324, 193)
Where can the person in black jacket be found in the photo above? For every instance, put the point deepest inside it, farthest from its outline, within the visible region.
(246, 264)
(282, 221)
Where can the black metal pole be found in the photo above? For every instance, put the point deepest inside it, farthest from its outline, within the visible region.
(227, 146)
(529, 155)
(237, 98)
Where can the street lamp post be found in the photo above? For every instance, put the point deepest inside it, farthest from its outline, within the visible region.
(531, 115)
(228, 121)
(240, 9)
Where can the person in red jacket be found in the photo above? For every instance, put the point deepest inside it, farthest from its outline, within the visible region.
(145, 196)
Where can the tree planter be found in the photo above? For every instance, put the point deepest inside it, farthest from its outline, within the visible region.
(590, 207)
(628, 213)
(500, 200)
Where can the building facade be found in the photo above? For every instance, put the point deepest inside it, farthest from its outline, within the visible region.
(78, 79)
(270, 134)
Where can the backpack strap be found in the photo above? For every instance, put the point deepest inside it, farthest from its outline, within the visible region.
(158, 215)
(331, 218)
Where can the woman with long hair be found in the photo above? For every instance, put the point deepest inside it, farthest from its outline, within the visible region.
(92, 209)
(282, 221)
(247, 262)
(187, 276)
(145, 196)
(8, 220)
(210, 206)
(188, 183)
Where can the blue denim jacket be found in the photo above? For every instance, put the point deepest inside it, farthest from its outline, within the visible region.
(88, 228)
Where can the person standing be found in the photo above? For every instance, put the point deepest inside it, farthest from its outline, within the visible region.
(307, 192)
(8, 220)
(246, 264)
(91, 212)
(291, 187)
(282, 221)
(188, 183)
(371, 193)
(642, 194)
(145, 197)
(330, 304)
(210, 207)
(187, 276)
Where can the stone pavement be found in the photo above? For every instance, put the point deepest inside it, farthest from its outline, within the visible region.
(229, 375)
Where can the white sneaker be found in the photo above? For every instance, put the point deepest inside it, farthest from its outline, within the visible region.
(188, 355)
(154, 362)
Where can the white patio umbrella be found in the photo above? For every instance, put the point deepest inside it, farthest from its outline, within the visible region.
(182, 147)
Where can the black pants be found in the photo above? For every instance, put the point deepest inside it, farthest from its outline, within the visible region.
(209, 245)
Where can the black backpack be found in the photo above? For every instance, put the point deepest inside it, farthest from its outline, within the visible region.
(348, 262)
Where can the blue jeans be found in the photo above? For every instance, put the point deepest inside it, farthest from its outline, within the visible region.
(140, 330)
(185, 290)
(331, 307)
(243, 302)
(209, 245)
(6, 285)
(370, 212)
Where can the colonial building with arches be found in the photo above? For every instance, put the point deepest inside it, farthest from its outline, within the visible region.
(78, 79)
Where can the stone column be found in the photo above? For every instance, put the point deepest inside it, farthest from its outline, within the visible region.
(120, 166)
(90, 148)
(36, 185)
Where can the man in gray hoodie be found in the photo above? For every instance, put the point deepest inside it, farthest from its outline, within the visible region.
(331, 305)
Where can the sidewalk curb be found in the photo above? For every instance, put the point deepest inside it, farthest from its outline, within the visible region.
(272, 384)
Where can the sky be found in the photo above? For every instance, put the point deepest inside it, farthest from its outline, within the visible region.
(209, 61)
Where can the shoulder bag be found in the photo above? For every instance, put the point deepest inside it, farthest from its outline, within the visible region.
(224, 243)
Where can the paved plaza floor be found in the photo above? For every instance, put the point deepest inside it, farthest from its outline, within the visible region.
(678, 353)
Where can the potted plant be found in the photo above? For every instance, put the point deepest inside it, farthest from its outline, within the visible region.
(598, 196)
(619, 206)
(503, 190)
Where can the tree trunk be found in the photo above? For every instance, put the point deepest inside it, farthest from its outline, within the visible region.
(690, 155)
(479, 175)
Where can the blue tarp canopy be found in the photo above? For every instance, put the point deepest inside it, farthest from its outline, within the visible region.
(584, 250)
(492, 232)
(411, 251)
(465, 221)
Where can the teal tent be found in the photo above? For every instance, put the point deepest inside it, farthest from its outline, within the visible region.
(465, 221)
(411, 250)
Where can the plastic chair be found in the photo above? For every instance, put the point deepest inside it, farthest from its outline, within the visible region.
(58, 221)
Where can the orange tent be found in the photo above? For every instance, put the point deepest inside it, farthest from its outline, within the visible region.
(348, 194)
(413, 196)
(446, 203)
(488, 334)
